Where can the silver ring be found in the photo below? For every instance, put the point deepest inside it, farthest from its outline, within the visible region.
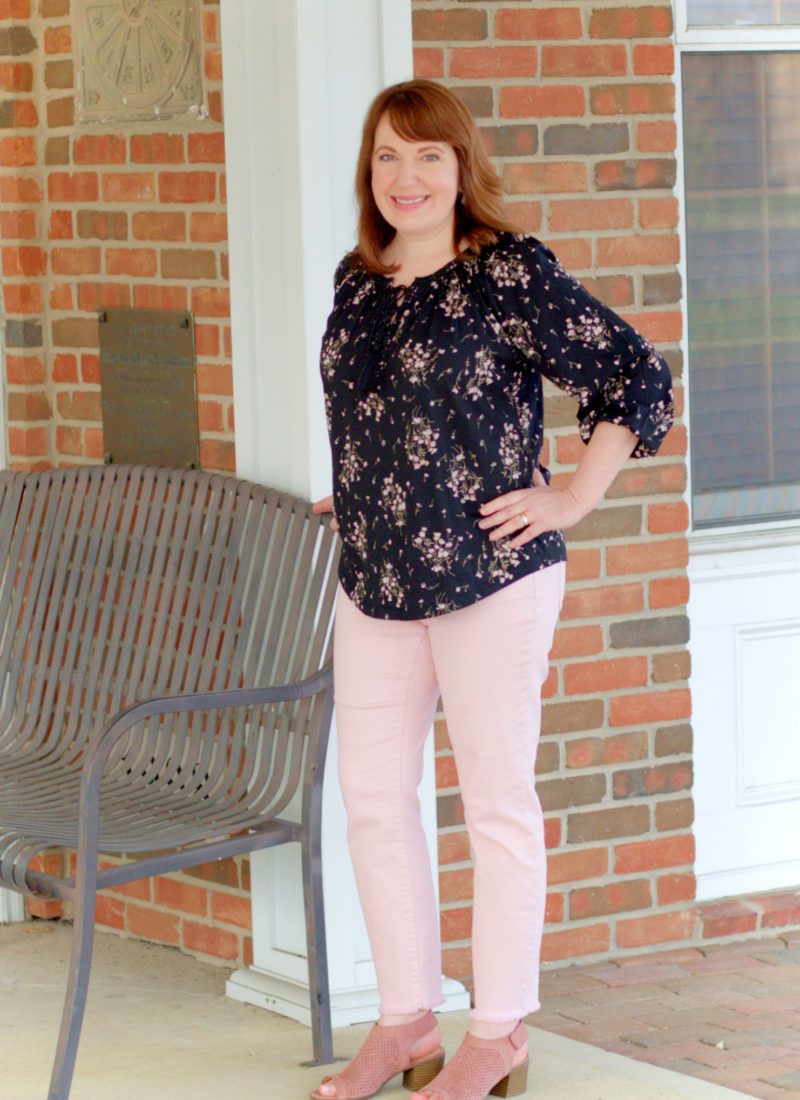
(524, 517)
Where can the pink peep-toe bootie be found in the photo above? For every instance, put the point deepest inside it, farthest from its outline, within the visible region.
(387, 1052)
(481, 1068)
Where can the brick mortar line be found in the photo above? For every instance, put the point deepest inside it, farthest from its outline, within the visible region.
(554, 159)
(611, 919)
(537, 80)
(639, 764)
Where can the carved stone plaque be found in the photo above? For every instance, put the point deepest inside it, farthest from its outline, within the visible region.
(139, 59)
(148, 387)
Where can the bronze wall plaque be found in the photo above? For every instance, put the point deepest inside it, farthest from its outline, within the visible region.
(148, 384)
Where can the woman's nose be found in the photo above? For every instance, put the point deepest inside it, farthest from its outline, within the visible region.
(407, 171)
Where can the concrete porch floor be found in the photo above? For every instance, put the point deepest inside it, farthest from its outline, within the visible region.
(159, 1027)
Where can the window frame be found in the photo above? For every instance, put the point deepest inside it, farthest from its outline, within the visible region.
(756, 533)
(743, 38)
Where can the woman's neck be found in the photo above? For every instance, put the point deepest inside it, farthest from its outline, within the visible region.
(417, 257)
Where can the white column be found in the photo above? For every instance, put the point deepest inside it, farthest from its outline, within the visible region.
(298, 77)
(3, 399)
(12, 906)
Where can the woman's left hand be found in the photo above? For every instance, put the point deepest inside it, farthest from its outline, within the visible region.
(527, 513)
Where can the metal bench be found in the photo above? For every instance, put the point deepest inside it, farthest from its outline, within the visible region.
(165, 689)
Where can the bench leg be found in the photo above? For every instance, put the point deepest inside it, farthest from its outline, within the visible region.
(319, 989)
(75, 999)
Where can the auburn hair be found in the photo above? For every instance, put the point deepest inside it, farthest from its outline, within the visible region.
(422, 110)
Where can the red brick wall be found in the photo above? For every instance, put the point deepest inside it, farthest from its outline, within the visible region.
(96, 217)
(204, 910)
(576, 104)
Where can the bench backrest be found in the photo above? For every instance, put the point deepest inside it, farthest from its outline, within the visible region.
(119, 584)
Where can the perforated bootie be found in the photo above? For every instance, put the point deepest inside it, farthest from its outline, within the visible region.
(387, 1052)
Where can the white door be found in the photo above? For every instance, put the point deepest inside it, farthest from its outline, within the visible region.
(740, 123)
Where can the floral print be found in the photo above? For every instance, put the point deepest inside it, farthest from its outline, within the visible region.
(394, 500)
(421, 439)
(464, 481)
(418, 361)
(433, 396)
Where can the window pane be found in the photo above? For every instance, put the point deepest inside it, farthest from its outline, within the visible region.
(738, 13)
(742, 135)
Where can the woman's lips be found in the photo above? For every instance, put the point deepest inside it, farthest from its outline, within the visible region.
(409, 202)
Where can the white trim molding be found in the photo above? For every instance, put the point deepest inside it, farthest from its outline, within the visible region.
(12, 907)
(743, 36)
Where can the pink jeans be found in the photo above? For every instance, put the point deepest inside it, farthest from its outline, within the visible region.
(489, 661)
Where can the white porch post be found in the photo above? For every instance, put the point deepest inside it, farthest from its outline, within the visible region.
(12, 905)
(298, 76)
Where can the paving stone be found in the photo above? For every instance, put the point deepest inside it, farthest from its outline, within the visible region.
(666, 1042)
(673, 1052)
(567, 982)
(742, 1060)
(763, 1036)
(552, 1021)
(684, 1065)
(787, 1081)
(791, 1058)
(714, 964)
(745, 947)
(725, 989)
(776, 1004)
(758, 1071)
(788, 957)
(741, 1021)
(670, 1036)
(764, 1091)
(675, 957)
(644, 973)
(627, 994)
(605, 1020)
(677, 1013)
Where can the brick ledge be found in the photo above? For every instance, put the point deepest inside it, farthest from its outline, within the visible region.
(748, 917)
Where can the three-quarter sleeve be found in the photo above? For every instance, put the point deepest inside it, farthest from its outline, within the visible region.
(580, 344)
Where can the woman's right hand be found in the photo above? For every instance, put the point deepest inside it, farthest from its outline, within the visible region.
(321, 507)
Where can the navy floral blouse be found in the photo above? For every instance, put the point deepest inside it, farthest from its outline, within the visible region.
(433, 397)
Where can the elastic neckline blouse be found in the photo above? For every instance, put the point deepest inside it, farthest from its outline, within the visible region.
(433, 400)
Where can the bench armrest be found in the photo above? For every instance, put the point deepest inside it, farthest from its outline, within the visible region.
(101, 745)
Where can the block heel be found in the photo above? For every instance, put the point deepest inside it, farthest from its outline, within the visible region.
(514, 1084)
(481, 1068)
(418, 1076)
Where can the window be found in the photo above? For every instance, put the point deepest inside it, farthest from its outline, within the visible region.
(741, 112)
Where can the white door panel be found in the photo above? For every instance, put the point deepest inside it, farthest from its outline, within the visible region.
(745, 645)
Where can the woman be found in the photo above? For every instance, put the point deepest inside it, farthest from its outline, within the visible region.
(452, 572)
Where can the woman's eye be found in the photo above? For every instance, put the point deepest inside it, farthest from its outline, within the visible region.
(431, 156)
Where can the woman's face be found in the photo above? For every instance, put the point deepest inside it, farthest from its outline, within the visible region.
(415, 184)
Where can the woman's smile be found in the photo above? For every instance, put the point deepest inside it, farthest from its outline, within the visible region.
(408, 202)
